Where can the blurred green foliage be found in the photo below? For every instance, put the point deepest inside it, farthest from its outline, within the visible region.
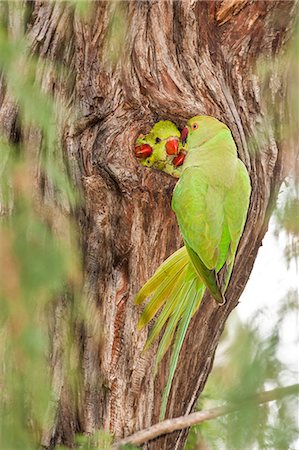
(116, 33)
(101, 440)
(40, 260)
(129, 447)
(284, 71)
(287, 215)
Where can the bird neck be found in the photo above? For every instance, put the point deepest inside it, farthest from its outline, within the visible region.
(217, 157)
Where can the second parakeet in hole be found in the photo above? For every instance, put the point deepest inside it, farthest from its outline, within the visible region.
(210, 201)
(161, 148)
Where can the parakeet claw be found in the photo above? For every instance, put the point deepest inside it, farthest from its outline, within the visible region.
(221, 303)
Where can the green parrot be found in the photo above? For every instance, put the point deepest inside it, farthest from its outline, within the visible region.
(161, 148)
(210, 201)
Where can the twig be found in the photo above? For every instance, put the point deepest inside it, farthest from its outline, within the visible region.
(178, 423)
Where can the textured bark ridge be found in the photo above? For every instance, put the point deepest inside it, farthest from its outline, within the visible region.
(178, 59)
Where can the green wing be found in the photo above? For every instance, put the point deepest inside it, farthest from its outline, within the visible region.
(236, 204)
(211, 220)
(235, 211)
(199, 208)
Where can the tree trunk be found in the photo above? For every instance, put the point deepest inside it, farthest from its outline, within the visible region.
(177, 59)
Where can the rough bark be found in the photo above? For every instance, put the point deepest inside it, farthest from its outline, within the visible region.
(179, 59)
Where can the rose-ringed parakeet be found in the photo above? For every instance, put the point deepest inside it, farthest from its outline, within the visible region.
(210, 201)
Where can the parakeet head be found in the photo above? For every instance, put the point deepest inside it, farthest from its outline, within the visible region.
(200, 129)
(161, 148)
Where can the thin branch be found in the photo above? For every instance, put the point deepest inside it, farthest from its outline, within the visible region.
(170, 425)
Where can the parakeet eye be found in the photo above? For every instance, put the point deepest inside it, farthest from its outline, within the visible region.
(194, 126)
(157, 140)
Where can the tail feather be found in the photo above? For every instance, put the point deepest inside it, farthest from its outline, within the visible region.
(176, 289)
(173, 321)
(200, 289)
(194, 295)
(170, 266)
(162, 293)
(172, 302)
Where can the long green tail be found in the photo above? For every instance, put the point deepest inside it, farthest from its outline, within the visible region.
(177, 291)
(195, 296)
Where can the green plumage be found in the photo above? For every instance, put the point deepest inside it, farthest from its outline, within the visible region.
(210, 201)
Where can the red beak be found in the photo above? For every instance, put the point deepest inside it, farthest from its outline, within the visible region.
(179, 159)
(143, 151)
(172, 146)
(184, 135)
